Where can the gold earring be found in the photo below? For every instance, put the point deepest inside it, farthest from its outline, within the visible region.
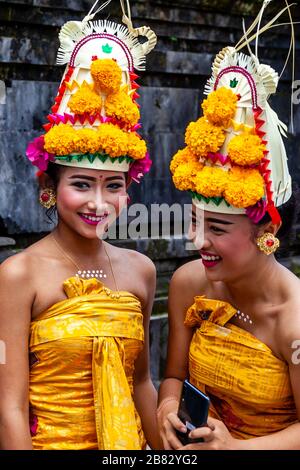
(47, 198)
(268, 243)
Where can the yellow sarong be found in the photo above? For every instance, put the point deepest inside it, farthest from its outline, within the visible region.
(83, 351)
(249, 387)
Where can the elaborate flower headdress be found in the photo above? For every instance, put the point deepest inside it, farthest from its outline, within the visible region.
(95, 118)
(234, 161)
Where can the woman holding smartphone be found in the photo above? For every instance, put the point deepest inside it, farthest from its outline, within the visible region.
(75, 325)
(234, 316)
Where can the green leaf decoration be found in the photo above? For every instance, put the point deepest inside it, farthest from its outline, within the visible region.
(107, 49)
(216, 200)
(233, 83)
(92, 157)
(103, 157)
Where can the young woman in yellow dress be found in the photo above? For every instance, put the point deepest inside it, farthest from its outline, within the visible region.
(75, 310)
(235, 315)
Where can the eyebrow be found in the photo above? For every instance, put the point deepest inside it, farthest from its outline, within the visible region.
(216, 221)
(91, 178)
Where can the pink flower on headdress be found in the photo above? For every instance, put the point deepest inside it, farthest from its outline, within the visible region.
(139, 168)
(37, 154)
(256, 212)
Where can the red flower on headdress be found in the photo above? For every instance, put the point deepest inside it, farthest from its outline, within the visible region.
(139, 167)
(37, 154)
(256, 212)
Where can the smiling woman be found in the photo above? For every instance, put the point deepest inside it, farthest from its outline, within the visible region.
(75, 310)
(234, 315)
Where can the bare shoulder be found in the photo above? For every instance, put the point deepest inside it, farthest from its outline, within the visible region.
(289, 319)
(139, 262)
(191, 278)
(16, 267)
(17, 289)
(187, 282)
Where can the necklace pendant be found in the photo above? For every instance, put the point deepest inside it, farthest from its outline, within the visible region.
(90, 274)
(243, 316)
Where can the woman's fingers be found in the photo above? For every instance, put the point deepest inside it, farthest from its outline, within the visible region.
(205, 433)
(171, 424)
(176, 422)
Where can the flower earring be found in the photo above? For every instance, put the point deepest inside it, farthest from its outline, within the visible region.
(268, 243)
(47, 198)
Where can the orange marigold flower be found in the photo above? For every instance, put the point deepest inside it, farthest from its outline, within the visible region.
(185, 174)
(60, 139)
(203, 138)
(211, 181)
(85, 100)
(245, 187)
(86, 141)
(112, 140)
(220, 107)
(120, 106)
(107, 75)
(246, 149)
(182, 156)
(136, 146)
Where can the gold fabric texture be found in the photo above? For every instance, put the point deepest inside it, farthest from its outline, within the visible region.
(249, 387)
(81, 381)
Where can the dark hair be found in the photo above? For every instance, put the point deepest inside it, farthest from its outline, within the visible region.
(53, 171)
(289, 215)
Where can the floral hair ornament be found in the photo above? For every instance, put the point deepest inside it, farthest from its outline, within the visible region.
(235, 161)
(94, 120)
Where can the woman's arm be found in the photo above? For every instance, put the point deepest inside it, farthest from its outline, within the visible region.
(145, 395)
(181, 297)
(218, 436)
(15, 313)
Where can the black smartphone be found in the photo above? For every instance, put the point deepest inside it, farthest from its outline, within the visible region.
(193, 411)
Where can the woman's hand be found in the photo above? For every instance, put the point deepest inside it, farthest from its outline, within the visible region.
(215, 435)
(168, 423)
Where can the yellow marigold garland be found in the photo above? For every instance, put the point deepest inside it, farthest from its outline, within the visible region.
(185, 174)
(120, 106)
(65, 140)
(60, 139)
(112, 140)
(244, 188)
(246, 149)
(107, 75)
(220, 107)
(203, 138)
(86, 141)
(85, 100)
(211, 182)
(182, 156)
(136, 146)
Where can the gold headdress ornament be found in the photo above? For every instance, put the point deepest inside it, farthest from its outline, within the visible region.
(95, 118)
(235, 161)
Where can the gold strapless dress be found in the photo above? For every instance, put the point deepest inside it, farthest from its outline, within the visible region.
(82, 352)
(249, 387)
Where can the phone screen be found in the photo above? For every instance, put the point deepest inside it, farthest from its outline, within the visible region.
(193, 410)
